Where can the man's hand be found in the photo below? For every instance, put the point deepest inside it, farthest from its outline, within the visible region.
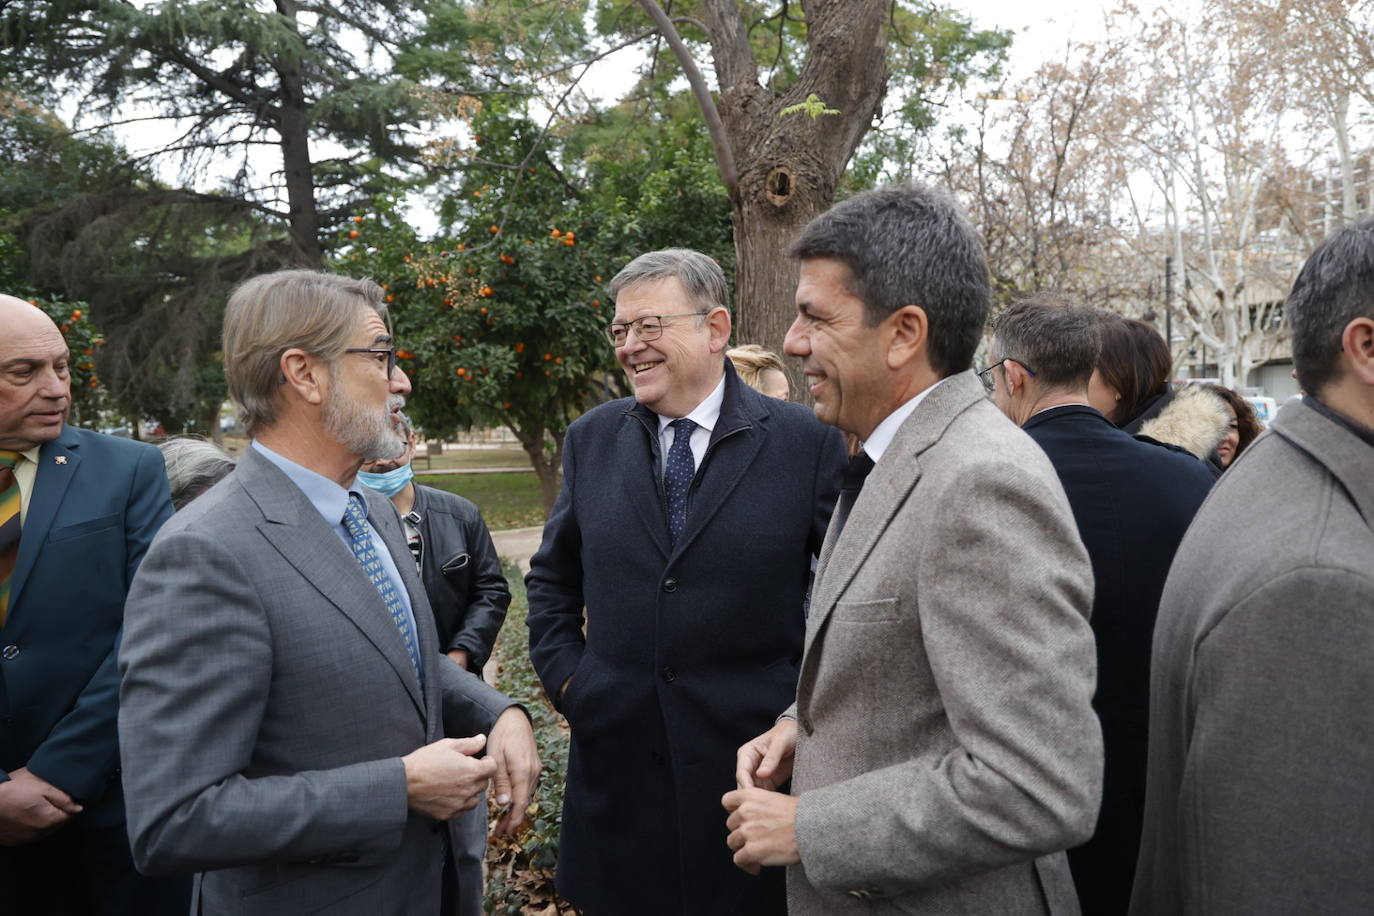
(766, 762)
(763, 828)
(31, 807)
(443, 779)
(517, 766)
(460, 656)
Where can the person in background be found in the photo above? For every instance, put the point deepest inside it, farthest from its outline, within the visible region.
(685, 527)
(1132, 502)
(1261, 739)
(1131, 388)
(193, 466)
(1242, 429)
(761, 370)
(77, 513)
(469, 595)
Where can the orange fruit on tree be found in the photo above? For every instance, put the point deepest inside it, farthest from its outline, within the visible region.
(353, 233)
(357, 219)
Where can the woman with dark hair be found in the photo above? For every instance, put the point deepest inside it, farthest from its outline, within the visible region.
(1242, 429)
(1131, 388)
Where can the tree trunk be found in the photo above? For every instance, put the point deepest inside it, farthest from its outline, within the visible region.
(293, 126)
(782, 170)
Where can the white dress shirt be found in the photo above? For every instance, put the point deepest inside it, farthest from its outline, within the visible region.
(705, 415)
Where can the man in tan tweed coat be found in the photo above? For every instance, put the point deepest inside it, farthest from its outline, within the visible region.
(943, 750)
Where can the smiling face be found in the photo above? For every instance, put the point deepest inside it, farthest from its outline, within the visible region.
(675, 372)
(840, 353)
(35, 380)
(1226, 449)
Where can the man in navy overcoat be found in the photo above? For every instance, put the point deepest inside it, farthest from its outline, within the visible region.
(685, 527)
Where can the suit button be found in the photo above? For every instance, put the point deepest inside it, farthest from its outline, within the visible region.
(669, 674)
(657, 758)
(670, 585)
(9, 652)
(805, 723)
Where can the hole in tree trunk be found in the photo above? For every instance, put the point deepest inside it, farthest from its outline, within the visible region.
(778, 185)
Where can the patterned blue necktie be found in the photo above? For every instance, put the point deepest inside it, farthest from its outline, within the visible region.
(355, 520)
(677, 475)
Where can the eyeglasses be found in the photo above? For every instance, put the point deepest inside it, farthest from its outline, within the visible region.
(650, 327)
(381, 353)
(985, 375)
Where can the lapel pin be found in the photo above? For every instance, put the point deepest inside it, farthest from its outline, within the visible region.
(60, 459)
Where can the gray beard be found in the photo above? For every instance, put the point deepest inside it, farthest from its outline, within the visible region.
(369, 436)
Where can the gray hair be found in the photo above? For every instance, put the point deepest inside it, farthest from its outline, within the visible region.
(1334, 287)
(909, 245)
(193, 466)
(267, 315)
(1055, 338)
(699, 275)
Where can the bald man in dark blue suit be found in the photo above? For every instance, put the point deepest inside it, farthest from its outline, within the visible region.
(87, 508)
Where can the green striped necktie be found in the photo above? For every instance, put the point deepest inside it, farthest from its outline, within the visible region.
(9, 526)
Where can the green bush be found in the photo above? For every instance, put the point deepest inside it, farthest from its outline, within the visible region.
(521, 868)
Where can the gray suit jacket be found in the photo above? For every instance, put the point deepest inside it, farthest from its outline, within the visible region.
(947, 749)
(266, 700)
(1258, 797)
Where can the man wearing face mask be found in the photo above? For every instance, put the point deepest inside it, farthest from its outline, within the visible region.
(468, 592)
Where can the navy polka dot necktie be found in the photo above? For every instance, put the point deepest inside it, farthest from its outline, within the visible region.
(677, 475)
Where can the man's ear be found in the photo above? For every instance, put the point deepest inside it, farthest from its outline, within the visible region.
(304, 375)
(1015, 376)
(718, 327)
(907, 331)
(1357, 340)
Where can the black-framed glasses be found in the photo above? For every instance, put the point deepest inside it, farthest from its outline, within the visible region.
(650, 327)
(388, 352)
(985, 375)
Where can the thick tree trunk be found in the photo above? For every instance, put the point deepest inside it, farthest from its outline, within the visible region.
(293, 126)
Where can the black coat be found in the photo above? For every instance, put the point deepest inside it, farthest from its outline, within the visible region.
(461, 572)
(1132, 500)
(689, 650)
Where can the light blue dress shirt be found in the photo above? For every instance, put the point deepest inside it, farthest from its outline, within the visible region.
(331, 501)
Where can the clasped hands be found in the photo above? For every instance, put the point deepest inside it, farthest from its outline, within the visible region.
(762, 820)
(445, 778)
(31, 807)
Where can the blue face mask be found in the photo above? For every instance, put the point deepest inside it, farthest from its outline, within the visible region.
(390, 483)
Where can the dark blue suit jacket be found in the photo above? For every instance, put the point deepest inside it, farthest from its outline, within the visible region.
(690, 649)
(96, 504)
(1132, 501)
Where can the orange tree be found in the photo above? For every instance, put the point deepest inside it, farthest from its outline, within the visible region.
(497, 325)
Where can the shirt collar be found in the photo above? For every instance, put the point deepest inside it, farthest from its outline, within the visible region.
(706, 414)
(328, 498)
(882, 436)
(33, 453)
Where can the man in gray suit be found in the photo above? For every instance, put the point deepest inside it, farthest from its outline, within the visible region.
(1261, 749)
(943, 749)
(285, 699)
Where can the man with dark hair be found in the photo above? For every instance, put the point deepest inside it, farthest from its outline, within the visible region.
(1260, 743)
(686, 525)
(77, 513)
(1132, 500)
(284, 702)
(942, 746)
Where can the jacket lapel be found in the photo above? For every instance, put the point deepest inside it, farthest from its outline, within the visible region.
(58, 462)
(888, 486)
(643, 485)
(303, 538)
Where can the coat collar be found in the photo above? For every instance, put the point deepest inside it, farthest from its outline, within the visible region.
(884, 492)
(1338, 449)
(743, 412)
(58, 462)
(1063, 411)
(295, 528)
